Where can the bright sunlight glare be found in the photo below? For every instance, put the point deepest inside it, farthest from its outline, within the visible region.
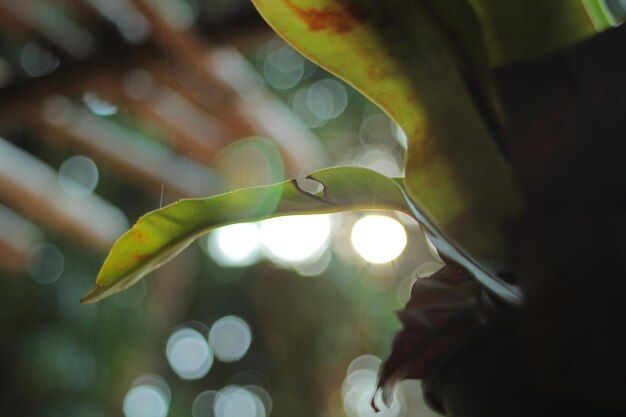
(295, 239)
(235, 245)
(378, 239)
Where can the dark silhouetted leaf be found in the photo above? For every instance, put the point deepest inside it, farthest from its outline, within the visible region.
(443, 308)
(522, 30)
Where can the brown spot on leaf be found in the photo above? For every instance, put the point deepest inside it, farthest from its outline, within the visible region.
(341, 18)
(140, 256)
(140, 236)
(375, 72)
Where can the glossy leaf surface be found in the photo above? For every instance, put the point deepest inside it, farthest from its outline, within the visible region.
(160, 235)
(416, 60)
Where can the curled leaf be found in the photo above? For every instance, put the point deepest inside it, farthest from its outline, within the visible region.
(443, 309)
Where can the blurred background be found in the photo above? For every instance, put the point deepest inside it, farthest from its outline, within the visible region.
(112, 108)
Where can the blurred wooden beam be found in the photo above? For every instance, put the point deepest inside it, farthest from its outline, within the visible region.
(217, 101)
(21, 98)
(190, 51)
(182, 45)
(121, 14)
(83, 13)
(137, 158)
(49, 23)
(194, 133)
(31, 187)
(265, 114)
(17, 237)
(197, 99)
(190, 124)
(11, 24)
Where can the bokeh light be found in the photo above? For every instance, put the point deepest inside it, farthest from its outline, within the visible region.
(145, 401)
(377, 128)
(45, 263)
(249, 162)
(363, 362)
(359, 387)
(189, 354)
(315, 267)
(204, 404)
(37, 60)
(320, 102)
(302, 111)
(327, 99)
(296, 239)
(78, 176)
(235, 401)
(283, 67)
(378, 239)
(148, 397)
(230, 338)
(125, 108)
(263, 396)
(380, 159)
(98, 105)
(235, 245)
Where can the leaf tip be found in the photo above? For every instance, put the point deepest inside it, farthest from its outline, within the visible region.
(94, 295)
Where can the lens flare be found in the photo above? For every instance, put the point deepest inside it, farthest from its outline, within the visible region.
(378, 239)
(236, 245)
(296, 239)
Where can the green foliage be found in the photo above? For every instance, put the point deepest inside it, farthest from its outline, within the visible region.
(427, 65)
(398, 55)
(521, 30)
(162, 234)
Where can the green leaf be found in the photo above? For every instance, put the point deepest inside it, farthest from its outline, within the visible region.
(419, 61)
(599, 14)
(160, 235)
(522, 30)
